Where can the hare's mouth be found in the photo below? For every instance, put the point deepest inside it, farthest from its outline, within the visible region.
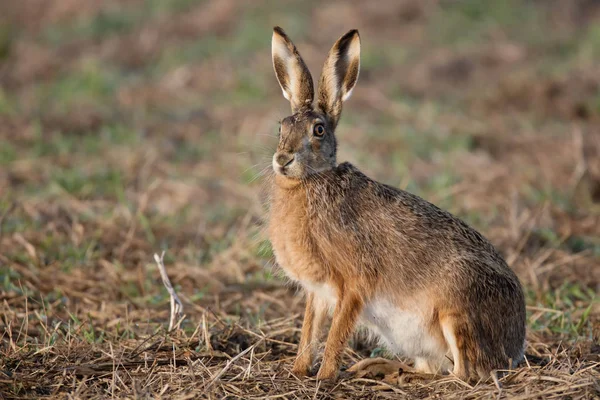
(282, 163)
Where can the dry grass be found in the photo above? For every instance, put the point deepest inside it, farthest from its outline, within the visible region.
(131, 127)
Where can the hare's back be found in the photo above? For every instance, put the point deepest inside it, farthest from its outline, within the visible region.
(372, 209)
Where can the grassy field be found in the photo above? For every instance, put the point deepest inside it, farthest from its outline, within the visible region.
(129, 127)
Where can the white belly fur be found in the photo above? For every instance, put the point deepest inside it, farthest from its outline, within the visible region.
(402, 332)
(322, 291)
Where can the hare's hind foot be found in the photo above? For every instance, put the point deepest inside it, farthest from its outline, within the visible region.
(432, 366)
(379, 367)
(396, 372)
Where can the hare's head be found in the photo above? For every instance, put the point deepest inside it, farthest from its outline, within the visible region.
(307, 142)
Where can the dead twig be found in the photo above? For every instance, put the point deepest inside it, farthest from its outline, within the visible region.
(176, 305)
(228, 365)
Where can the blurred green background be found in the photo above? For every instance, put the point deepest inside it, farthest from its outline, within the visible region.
(132, 126)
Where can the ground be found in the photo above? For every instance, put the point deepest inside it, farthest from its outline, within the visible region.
(129, 127)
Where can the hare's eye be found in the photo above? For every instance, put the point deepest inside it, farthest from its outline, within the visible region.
(319, 130)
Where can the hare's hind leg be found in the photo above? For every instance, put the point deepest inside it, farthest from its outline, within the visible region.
(314, 318)
(456, 335)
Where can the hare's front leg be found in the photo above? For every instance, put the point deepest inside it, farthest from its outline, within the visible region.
(347, 310)
(314, 317)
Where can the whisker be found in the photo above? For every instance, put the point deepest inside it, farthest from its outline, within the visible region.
(259, 174)
(256, 165)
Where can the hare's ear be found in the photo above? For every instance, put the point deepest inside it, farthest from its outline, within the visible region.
(339, 75)
(291, 71)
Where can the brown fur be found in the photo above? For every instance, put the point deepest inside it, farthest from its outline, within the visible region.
(314, 319)
(331, 225)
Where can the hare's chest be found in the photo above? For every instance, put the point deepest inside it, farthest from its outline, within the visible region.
(297, 260)
(294, 250)
(294, 245)
(303, 269)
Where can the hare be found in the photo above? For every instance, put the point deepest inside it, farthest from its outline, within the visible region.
(426, 284)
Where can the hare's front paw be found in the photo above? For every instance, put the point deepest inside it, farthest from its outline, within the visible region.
(328, 371)
(301, 368)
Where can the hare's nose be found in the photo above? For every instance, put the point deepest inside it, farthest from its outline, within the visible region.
(284, 159)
